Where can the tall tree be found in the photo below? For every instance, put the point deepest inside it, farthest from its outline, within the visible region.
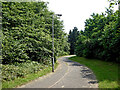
(72, 38)
(27, 33)
(101, 37)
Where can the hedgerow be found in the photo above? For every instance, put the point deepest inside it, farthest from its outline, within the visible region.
(27, 33)
(11, 72)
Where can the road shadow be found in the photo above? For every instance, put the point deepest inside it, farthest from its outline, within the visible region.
(84, 71)
(72, 63)
(87, 73)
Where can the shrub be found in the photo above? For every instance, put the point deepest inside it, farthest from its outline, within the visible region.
(11, 72)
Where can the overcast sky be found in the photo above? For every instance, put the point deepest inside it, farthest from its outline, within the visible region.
(75, 12)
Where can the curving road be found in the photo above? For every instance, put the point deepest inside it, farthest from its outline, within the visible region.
(69, 74)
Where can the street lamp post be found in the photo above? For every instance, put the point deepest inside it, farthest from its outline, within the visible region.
(53, 40)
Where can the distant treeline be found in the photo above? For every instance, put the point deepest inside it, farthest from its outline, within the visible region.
(100, 38)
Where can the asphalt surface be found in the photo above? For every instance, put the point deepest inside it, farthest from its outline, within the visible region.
(69, 74)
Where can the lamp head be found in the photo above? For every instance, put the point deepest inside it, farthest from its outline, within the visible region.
(59, 14)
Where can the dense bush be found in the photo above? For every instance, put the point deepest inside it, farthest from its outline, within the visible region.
(27, 38)
(11, 72)
(27, 33)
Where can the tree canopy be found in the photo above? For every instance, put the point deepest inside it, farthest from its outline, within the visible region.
(27, 33)
(101, 37)
(72, 38)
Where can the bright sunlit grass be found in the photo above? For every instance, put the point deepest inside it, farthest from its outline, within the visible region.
(106, 72)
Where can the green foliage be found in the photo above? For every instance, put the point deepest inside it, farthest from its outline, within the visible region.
(27, 33)
(11, 72)
(101, 37)
(29, 77)
(72, 38)
(113, 2)
(27, 39)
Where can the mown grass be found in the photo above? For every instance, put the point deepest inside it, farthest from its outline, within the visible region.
(20, 81)
(106, 72)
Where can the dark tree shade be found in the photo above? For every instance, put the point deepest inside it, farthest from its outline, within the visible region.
(72, 38)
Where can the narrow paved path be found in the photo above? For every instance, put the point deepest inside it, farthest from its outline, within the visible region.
(69, 74)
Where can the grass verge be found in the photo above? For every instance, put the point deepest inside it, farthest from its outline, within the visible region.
(106, 72)
(20, 81)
